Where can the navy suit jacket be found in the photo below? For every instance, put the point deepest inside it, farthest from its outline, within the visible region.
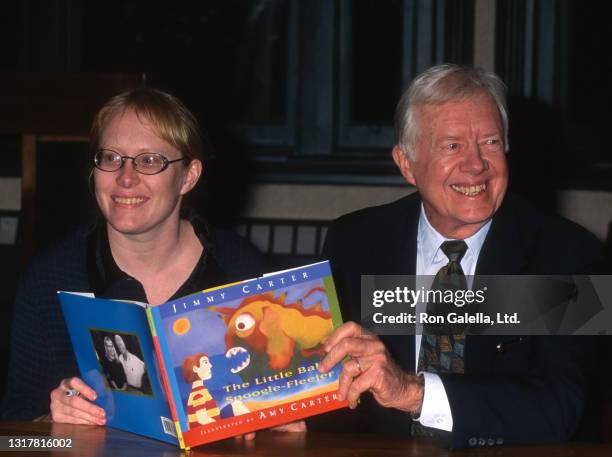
(514, 389)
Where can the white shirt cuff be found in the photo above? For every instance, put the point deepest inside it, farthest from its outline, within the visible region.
(435, 411)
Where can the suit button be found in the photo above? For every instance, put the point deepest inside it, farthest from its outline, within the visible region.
(499, 441)
(490, 442)
(481, 442)
(472, 441)
(418, 429)
(501, 347)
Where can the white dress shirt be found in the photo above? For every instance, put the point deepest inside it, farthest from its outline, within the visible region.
(435, 411)
(134, 369)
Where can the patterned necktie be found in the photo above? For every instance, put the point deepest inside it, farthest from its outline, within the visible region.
(442, 346)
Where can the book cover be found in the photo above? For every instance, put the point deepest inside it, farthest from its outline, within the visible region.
(244, 357)
(215, 364)
(114, 350)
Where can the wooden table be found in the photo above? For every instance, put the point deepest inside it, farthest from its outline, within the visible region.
(101, 442)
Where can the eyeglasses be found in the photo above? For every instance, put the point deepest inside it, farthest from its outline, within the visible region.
(147, 163)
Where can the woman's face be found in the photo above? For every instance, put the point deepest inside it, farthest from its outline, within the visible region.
(109, 349)
(133, 203)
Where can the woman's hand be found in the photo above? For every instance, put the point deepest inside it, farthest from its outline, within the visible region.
(71, 403)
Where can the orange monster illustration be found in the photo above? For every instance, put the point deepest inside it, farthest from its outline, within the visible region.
(267, 334)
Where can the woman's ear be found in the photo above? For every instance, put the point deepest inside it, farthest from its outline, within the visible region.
(192, 176)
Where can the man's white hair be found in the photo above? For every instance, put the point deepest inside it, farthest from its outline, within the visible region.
(440, 84)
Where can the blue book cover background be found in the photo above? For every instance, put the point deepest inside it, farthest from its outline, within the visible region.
(136, 403)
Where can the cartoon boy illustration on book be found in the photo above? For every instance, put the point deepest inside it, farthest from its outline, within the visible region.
(201, 406)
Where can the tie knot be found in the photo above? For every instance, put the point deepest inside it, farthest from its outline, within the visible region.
(454, 250)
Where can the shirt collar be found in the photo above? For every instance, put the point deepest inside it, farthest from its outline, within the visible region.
(107, 280)
(430, 239)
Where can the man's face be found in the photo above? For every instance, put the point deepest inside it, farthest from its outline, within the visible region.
(120, 345)
(460, 166)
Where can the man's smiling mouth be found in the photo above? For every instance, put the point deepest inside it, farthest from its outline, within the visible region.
(470, 191)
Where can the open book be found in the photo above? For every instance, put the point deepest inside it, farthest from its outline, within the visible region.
(215, 364)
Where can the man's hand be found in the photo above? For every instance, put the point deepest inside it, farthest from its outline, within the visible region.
(291, 427)
(370, 368)
(77, 407)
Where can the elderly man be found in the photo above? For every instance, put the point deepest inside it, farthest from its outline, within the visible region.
(134, 367)
(451, 143)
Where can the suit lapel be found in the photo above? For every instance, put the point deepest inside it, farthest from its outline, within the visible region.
(506, 251)
(400, 257)
(507, 247)
(403, 260)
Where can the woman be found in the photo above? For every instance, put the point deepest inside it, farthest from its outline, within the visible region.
(111, 366)
(146, 156)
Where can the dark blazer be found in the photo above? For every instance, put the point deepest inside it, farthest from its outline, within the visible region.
(514, 389)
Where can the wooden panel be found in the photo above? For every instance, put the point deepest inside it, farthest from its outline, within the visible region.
(56, 103)
(28, 193)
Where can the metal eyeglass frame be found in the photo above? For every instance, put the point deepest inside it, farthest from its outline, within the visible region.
(165, 161)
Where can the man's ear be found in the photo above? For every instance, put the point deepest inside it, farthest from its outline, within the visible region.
(195, 368)
(192, 175)
(404, 165)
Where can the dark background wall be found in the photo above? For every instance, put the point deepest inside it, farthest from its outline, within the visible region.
(304, 91)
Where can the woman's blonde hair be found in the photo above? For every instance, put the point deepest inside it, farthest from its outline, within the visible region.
(168, 116)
